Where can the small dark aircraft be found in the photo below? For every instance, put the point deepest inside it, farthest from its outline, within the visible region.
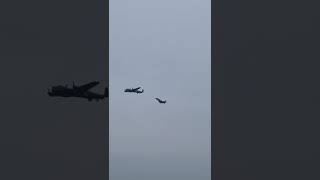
(134, 90)
(78, 91)
(160, 101)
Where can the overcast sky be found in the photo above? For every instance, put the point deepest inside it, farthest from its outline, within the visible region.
(164, 47)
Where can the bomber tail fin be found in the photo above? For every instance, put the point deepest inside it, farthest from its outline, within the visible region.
(106, 92)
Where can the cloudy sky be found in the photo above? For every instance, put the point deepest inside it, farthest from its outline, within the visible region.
(164, 47)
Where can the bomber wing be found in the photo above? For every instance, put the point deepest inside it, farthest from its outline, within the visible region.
(88, 86)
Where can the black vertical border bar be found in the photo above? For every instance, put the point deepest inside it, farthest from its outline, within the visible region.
(104, 34)
(107, 57)
(217, 88)
(108, 105)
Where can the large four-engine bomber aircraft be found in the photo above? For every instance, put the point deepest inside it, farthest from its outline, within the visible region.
(78, 91)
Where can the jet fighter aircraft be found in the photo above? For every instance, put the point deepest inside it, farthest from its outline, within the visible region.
(160, 101)
(134, 90)
(78, 91)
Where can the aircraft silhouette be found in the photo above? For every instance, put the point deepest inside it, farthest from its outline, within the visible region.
(160, 101)
(134, 90)
(78, 91)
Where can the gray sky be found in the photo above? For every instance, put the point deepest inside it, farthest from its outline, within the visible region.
(164, 47)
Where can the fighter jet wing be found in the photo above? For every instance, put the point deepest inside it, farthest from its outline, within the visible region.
(88, 86)
(160, 101)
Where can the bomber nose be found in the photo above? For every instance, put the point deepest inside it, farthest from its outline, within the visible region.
(49, 93)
